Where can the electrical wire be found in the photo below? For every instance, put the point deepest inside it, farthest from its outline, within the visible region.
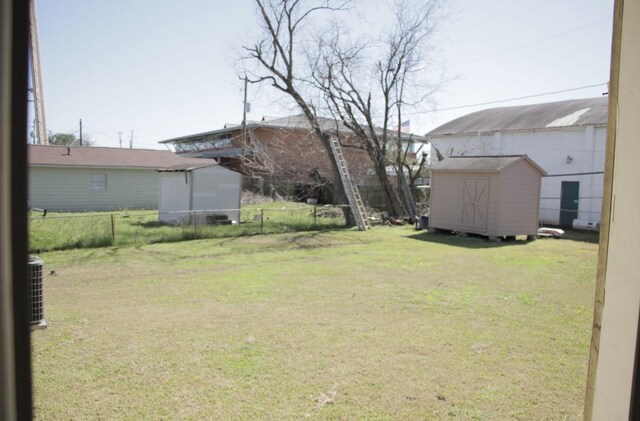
(458, 107)
(520, 47)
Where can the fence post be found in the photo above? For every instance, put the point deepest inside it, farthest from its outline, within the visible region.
(315, 217)
(261, 221)
(113, 230)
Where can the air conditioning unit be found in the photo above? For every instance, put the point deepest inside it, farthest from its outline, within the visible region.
(36, 293)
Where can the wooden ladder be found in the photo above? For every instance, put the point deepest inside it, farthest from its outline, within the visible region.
(350, 188)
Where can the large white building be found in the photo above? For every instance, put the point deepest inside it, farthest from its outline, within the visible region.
(565, 138)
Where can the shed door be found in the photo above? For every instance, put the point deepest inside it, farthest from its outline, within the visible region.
(569, 197)
(475, 203)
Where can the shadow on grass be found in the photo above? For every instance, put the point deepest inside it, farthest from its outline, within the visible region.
(149, 224)
(478, 241)
(472, 241)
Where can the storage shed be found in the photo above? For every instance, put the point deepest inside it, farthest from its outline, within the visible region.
(201, 194)
(494, 196)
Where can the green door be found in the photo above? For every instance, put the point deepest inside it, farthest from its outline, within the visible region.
(569, 196)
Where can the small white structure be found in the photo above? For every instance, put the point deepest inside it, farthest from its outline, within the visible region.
(496, 196)
(200, 194)
(565, 138)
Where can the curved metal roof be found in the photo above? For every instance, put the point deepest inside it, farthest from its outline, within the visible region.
(575, 112)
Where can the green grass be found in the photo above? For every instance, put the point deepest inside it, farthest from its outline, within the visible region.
(62, 231)
(378, 325)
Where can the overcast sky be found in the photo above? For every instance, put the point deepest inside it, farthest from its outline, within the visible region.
(167, 68)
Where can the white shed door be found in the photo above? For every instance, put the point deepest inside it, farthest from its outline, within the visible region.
(475, 201)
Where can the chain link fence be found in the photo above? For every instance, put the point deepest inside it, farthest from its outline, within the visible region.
(101, 229)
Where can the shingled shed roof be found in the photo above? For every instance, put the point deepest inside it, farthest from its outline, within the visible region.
(491, 164)
(108, 157)
(577, 112)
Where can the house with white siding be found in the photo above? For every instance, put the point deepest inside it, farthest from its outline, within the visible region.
(76, 179)
(566, 139)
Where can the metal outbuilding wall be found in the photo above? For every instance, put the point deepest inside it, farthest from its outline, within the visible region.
(208, 188)
(493, 196)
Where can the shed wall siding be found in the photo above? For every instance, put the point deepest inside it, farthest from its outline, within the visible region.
(446, 201)
(217, 188)
(70, 189)
(174, 196)
(519, 204)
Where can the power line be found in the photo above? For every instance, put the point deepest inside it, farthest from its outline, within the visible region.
(520, 47)
(507, 100)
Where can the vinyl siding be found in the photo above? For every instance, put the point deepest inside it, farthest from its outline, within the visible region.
(519, 200)
(70, 189)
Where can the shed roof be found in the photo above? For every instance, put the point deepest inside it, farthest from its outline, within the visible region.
(189, 166)
(575, 112)
(42, 155)
(492, 164)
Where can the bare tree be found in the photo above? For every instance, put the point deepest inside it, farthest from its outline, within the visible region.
(277, 56)
(366, 84)
(371, 106)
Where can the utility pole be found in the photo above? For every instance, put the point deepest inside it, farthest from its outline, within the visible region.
(131, 140)
(244, 127)
(80, 132)
(120, 139)
(36, 76)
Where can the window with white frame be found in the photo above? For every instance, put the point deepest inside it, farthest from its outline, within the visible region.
(98, 182)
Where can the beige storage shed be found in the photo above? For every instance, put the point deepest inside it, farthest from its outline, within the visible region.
(496, 196)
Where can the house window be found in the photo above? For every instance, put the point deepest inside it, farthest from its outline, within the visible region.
(98, 182)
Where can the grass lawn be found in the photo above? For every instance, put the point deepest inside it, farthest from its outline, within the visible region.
(385, 324)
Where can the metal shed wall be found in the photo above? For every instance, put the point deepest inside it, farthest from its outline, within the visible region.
(217, 188)
(209, 188)
(175, 196)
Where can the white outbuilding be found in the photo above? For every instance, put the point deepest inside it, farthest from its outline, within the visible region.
(565, 138)
(202, 193)
(495, 196)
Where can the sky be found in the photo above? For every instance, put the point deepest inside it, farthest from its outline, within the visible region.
(164, 68)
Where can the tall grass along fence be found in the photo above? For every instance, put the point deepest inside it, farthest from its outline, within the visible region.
(58, 231)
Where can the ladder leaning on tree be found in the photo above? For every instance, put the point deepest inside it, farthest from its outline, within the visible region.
(350, 188)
